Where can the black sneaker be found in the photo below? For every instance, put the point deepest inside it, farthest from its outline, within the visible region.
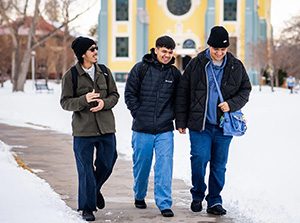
(167, 213)
(216, 210)
(196, 206)
(100, 201)
(140, 204)
(88, 215)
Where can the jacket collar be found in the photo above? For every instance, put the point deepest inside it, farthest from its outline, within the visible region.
(79, 69)
(81, 72)
(230, 63)
(151, 58)
(204, 60)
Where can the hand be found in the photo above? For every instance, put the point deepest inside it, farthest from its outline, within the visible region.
(99, 107)
(182, 130)
(224, 106)
(92, 96)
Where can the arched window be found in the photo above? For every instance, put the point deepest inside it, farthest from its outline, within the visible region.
(179, 7)
(189, 44)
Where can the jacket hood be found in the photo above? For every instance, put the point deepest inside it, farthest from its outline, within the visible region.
(203, 57)
(207, 53)
(152, 59)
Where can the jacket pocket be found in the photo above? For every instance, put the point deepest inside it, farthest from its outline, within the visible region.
(102, 90)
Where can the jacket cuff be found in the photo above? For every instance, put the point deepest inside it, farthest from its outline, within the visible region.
(83, 101)
(232, 107)
(180, 124)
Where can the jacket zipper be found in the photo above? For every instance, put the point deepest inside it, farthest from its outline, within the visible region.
(157, 98)
(94, 87)
(206, 101)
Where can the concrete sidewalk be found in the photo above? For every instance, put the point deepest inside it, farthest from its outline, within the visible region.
(52, 153)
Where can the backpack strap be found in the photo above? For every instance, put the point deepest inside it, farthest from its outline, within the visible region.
(105, 72)
(74, 73)
(142, 70)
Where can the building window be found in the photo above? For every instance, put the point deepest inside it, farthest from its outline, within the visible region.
(230, 10)
(189, 44)
(121, 77)
(179, 7)
(122, 10)
(122, 46)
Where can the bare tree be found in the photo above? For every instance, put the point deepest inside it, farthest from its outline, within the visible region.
(59, 12)
(287, 48)
(21, 61)
(257, 58)
(66, 18)
(20, 77)
(52, 10)
(93, 31)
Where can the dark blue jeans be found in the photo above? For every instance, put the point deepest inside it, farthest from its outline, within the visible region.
(92, 173)
(211, 146)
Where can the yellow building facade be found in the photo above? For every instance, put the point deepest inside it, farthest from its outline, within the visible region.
(128, 29)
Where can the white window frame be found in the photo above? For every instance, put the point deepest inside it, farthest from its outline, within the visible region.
(127, 34)
(237, 12)
(236, 23)
(116, 45)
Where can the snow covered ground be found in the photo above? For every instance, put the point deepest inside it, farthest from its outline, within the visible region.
(262, 181)
(27, 198)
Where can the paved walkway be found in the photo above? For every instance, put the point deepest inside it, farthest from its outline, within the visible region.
(52, 153)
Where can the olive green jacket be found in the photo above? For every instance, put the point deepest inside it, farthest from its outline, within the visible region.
(85, 122)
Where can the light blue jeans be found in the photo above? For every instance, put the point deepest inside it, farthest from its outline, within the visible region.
(144, 145)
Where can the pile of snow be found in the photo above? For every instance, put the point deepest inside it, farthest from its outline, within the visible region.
(26, 198)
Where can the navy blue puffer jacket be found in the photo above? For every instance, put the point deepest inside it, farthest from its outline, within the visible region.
(151, 100)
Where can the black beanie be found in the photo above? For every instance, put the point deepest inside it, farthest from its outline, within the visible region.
(218, 37)
(80, 45)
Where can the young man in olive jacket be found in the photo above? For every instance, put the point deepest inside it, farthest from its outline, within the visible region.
(90, 96)
(149, 95)
(198, 108)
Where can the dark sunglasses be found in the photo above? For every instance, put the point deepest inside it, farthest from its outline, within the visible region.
(92, 49)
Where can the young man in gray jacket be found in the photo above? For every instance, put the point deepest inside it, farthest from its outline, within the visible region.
(91, 93)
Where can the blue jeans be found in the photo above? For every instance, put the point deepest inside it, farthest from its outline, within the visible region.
(211, 146)
(143, 145)
(92, 174)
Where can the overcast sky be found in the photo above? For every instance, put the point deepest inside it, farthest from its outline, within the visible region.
(281, 11)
